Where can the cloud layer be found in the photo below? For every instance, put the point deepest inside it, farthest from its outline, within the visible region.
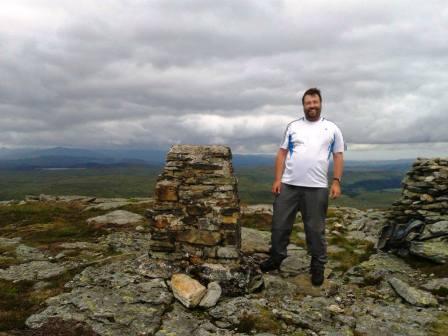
(154, 73)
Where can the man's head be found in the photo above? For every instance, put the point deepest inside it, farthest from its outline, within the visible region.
(312, 104)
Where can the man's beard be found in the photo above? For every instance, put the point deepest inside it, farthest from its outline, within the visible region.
(312, 114)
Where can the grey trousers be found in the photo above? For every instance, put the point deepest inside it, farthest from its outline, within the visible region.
(312, 204)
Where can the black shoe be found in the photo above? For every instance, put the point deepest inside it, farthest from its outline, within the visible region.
(270, 265)
(317, 276)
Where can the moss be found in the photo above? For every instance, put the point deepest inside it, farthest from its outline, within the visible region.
(348, 258)
(263, 321)
(440, 327)
(427, 267)
(42, 223)
(15, 304)
(298, 333)
(19, 300)
(138, 208)
(6, 261)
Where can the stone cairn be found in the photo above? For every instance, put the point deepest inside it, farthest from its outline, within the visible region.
(195, 221)
(419, 219)
(196, 213)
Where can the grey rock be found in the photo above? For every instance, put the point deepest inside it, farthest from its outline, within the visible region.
(253, 241)
(34, 270)
(212, 295)
(436, 251)
(117, 217)
(83, 246)
(277, 287)
(396, 320)
(227, 252)
(233, 311)
(126, 242)
(28, 253)
(381, 266)
(41, 285)
(112, 299)
(438, 286)
(297, 262)
(107, 205)
(179, 321)
(412, 295)
(157, 268)
(8, 243)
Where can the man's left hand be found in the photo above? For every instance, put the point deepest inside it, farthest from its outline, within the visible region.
(335, 190)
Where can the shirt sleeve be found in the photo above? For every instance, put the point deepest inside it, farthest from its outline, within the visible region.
(339, 145)
(284, 143)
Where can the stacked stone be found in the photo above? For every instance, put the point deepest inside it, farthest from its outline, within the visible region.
(425, 193)
(196, 213)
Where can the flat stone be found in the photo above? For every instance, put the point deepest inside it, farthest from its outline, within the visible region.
(227, 252)
(382, 265)
(199, 237)
(412, 295)
(117, 217)
(33, 271)
(441, 226)
(167, 190)
(187, 290)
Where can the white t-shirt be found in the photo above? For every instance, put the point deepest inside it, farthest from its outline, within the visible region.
(310, 145)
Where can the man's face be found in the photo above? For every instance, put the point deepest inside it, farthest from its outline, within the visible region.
(311, 107)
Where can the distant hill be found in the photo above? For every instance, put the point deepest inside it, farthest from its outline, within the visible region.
(132, 173)
(63, 157)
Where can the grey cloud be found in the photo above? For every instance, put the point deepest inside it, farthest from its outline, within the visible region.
(152, 73)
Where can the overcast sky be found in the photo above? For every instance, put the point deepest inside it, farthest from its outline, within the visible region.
(148, 74)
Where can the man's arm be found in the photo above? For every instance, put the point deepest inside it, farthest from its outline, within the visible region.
(279, 167)
(338, 167)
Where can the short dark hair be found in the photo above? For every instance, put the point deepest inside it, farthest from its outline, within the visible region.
(312, 92)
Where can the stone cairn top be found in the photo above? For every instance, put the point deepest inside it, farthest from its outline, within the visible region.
(418, 221)
(196, 212)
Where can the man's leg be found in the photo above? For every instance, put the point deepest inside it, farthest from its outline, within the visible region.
(285, 210)
(313, 207)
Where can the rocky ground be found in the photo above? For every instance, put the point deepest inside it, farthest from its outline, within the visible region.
(73, 266)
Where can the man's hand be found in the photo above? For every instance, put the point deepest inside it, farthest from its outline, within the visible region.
(276, 187)
(335, 190)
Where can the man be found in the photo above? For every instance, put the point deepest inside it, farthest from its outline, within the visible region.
(301, 183)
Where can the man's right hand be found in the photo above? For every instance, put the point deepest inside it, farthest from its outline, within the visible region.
(276, 187)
